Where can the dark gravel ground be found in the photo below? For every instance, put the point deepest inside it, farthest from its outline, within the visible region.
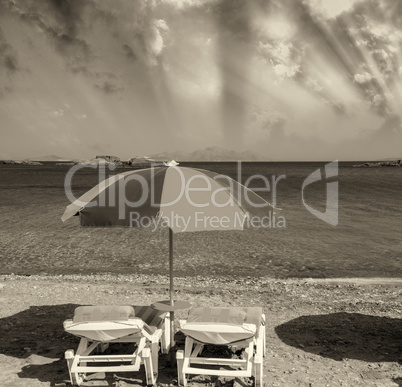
(338, 332)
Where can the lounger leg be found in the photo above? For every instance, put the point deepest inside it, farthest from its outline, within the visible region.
(154, 357)
(75, 378)
(261, 342)
(165, 339)
(69, 356)
(264, 341)
(258, 357)
(82, 348)
(185, 362)
(258, 371)
(264, 348)
(181, 377)
(149, 370)
(138, 353)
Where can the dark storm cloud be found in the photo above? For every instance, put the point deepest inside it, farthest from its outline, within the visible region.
(233, 20)
(61, 22)
(8, 65)
(339, 107)
(8, 56)
(129, 53)
(233, 58)
(71, 27)
(68, 14)
(109, 88)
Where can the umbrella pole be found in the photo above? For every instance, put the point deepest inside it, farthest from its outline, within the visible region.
(172, 342)
(171, 264)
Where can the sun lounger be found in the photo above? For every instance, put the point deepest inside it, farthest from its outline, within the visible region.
(100, 326)
(241, 328)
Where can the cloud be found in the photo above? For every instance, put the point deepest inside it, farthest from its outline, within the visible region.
(144, 32)
(269, 119)
(331, 8)
(375, 28)
(361, 44)
(8, 56)
(60, 22)
(286, 71)
(363, 78)
(187, 3)
(157, 42)
(58, 113)
(9, 64)
(216, 71)
(129, 53)
(283, 56)
(234, 48)
(109, 88)
(75, 27)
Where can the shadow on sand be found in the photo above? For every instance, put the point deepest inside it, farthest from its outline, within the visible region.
(36, 335)
(346, 336)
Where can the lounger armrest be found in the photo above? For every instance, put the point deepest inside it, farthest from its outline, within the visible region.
(67, 323)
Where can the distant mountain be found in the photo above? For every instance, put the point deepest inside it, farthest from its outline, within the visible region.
(49, 158)
(209, 154)
(97, 160)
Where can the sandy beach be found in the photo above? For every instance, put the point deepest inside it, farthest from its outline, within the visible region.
(337, 332)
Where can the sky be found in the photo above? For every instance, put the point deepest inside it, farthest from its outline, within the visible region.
(287, 79)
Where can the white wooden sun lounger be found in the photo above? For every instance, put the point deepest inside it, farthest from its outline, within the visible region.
(243, 328)
(100, 326)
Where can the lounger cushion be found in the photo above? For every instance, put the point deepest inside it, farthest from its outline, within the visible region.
(103, 313)
(152, 317)
(222, 326)
(107, 323)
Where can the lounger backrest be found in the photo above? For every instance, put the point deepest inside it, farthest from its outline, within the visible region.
(217, 315)
(103, 313)
(105, 323)
(215, 325)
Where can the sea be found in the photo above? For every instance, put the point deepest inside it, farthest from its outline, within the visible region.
(330, 220)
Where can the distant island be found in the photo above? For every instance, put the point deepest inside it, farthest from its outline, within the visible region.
(37, 160)
(395, 163)
(20, 162)
(138, 161)
(209, 154)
